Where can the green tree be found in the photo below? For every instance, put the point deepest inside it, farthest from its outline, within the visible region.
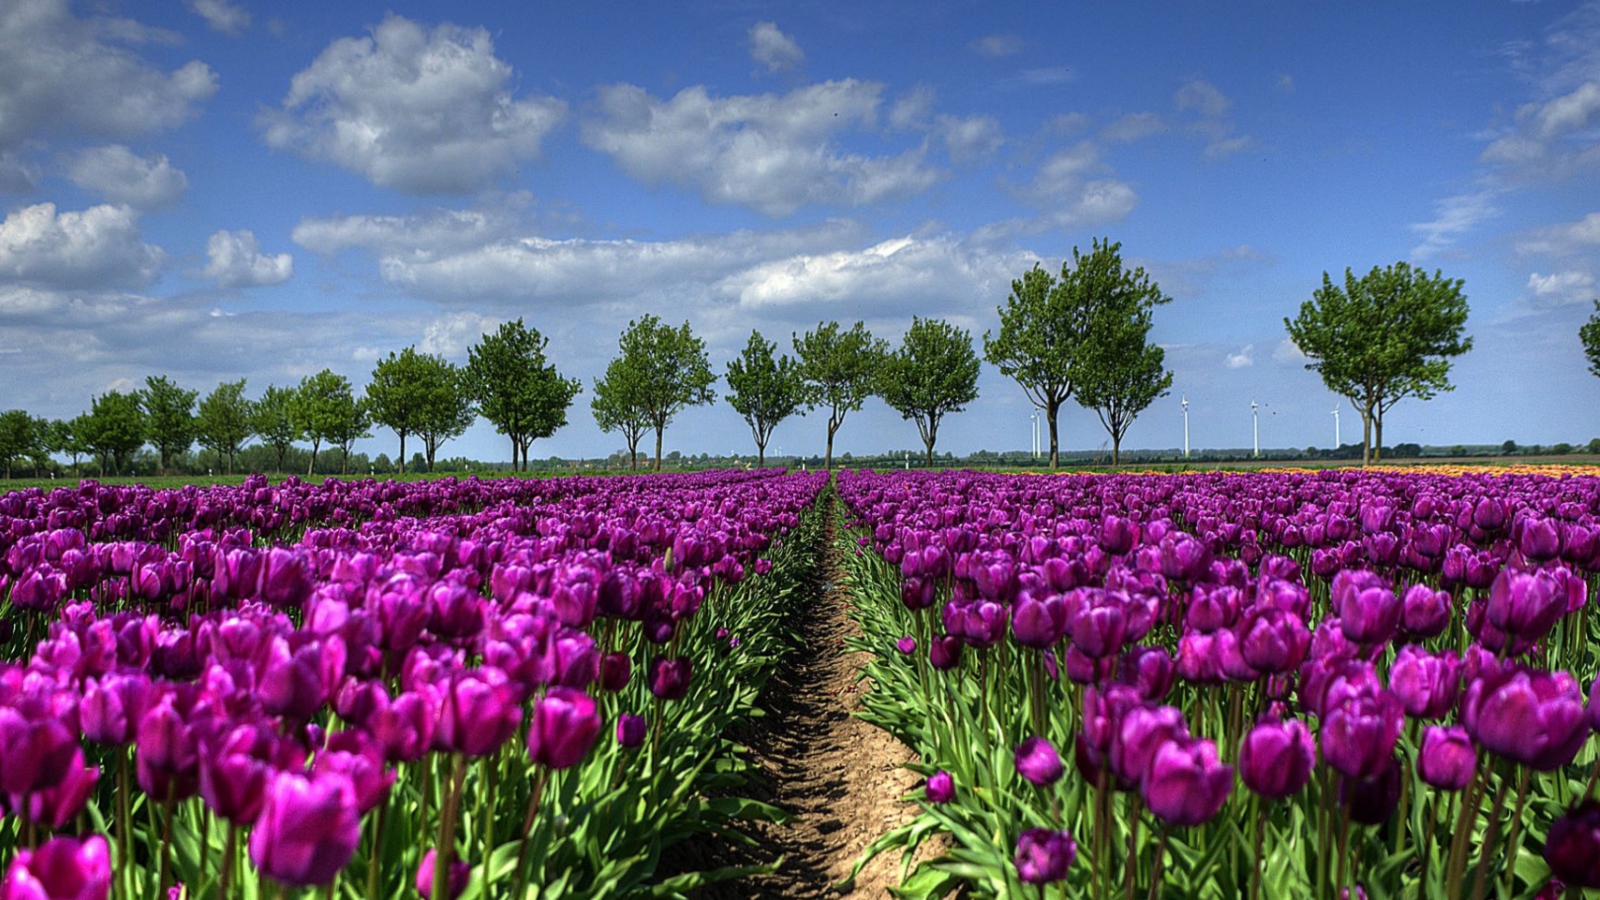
(66, 436)
(412, 393)
(1047, 322)
(274, 422)
(840, 371)
(618, 406)
(764, 390)
(168, 418)
(20, 437)
(1589, 334)
(1382, 338)
(933, 373)
(517, 389)
(449, 412)
(325, 409)
(115, 430)
(225, 420)
(1119, 373)
(667, 372)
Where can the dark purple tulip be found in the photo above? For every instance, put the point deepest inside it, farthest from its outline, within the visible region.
(1276, 757)
(308, 829)
(1186, 783)
(480, 712)
(1359, 731)
(944, 652)
(941, 787)
(405, 725)
(1447, 760)
(1372, 800)
(562, 727)
(35, 751)
(234, 774)
(1427, 685)
(54, 807)
(1532, 717)
(113, 706)
(63, 868)
(1141, 731)
(291, 682)
(631, 730)
(287, 578)
(1100, 629)
(1425, 612)
(1573, 846)
(1272, 640)
(1538, 539)
(669, 678)
(1038, 762)
(1526, 604)
(359, 757)
(1198, 658)
(1367, 609)
(1044, 856)
(460, 873)
(1489, 514)
(615, 670)
(1150, 670)
(1038, 620)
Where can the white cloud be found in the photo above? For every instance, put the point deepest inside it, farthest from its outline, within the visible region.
(1553, 136)
(995, 46)
(96, 248)
(122, 176)
(1214, 125)
(1047, 76)
(773, 49)
(1243, 359)
(1286, 83)
(1559, 288)
(437, 231)
(236, 260)
(222, 15)
(1565, 239)
(1134, 127)
(421, 111)
(450, 335)
(773, 153)
(1069, 198)
(62, 73)
(1288, 351)
(1204, 97)
(971, 137)
(1454, 216)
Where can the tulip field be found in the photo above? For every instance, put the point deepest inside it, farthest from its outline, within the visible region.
(1214, 685)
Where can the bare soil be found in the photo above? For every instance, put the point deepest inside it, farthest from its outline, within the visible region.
(841, 779)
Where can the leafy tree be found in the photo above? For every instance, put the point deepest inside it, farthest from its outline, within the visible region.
(20, 437)
(764, 390)
(1509, 448)
(1589, 334)
(1047, 322)
(1119, 373)
(1593, 446)
(517, 389)
(168, 417)
(325, 409)
(419, 393)
(66, 436)
(1382, 338)
(274, 422)
(115, 430)
(934, 372)
(666, 371)
(225, 420)
(618, 406)
(840, 371)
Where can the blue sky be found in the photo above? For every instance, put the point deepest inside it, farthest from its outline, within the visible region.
(223, 189)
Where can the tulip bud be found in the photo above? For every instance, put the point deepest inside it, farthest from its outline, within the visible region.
(1044, 856)
(63, 868)
(669, 678)
(460, 873)
(941, 787)
(1447, 760)
(1572, 847)
(308, 829)
(1276, 757)
(1038, 762)
(1186, 784)
(562, 727)
(631, 730)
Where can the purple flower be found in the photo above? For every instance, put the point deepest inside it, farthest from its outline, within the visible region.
(1367, 609)
(1532, 717)
(1360, 729)
(460, 873)
(1573, 846)
(1044, 856)
(308, 829)
(1141, 731)
(906, 645)
(562, 727)
(941, 787)
(54, 807)
(669, 678)
(1526, 604)
(1038, 762)
(1447, 759)
(944, 652)
(1427, 685)
(63, 868)
(35, 751)
(480, 713)
(1038, 620)
(631, 730)
(1272, 640)
(1372, 800)
(1276, 757)
(1425, 612)
(1186, 783)
(615, 670)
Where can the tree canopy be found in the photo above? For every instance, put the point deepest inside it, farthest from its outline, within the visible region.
(618, 406)
(422, 394)
(840, 371)
(168, 417)
(1119, 372)
(763, 389)
(20, 437)
(273, 420)
(933, 373)
(225, 420)
(115, 429)
(516, 388)
(663, 370)
(1589, 335)
(1381, 338)
(326, 409)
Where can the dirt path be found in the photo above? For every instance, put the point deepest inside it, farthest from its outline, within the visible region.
(840, 778)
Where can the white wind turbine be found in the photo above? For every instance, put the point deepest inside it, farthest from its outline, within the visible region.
(1185, 426)
(1336, 442)
(1255, 421)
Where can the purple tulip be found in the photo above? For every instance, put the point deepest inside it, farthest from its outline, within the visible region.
(906, 645)
(1447, 760)
(1038, 620)
(1186, 783)
(63, 868)
(1150, 670)
(1526, 604)
(669, 678)
(941, 788)
(615, 670)
(308, 829)
(1276, 757)
(944, 652)
(54, 807)
(36, 751)
(1367, 609)
(1044, 856)
(1532, 717)
(1425, 612)
(480, 712)
(1141, 732)
(562, 727)
(631, 730)
(1427, 685)
(1038, 762)
(1372, 800)
(1572, 847)
(460, 873)
(1272, 640)
(1359, 731)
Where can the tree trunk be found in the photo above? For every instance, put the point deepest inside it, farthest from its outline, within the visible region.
(1377, 435)
(933, 435)
(761, 455)
(1366, 437)
(827, 462)
(1050, 412)
(659, 429)
(402, 467)
(1116, 450)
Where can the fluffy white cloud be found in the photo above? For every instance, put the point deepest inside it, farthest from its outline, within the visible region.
(62, 73)
(1560, 288)
(770, 152)
(1288, 351)
(96, 248)
(229, 18)
(421, 111)
(1552, 137)
(1213, 124)
(1565, 239)
(434, 232)
(450, 335)
(236, 260)
(1134, 127)
(1071, 198)
(1454, 216)
(122, 176)
(1243, 359)
(970, 137)
(773, 49)
(995, 46)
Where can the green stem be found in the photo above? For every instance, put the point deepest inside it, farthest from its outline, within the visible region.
(1513, 835)
(1161, 858)
(444, 851)
(229, 851)
(375, 858)
(1259, 841)
(1480, 876)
